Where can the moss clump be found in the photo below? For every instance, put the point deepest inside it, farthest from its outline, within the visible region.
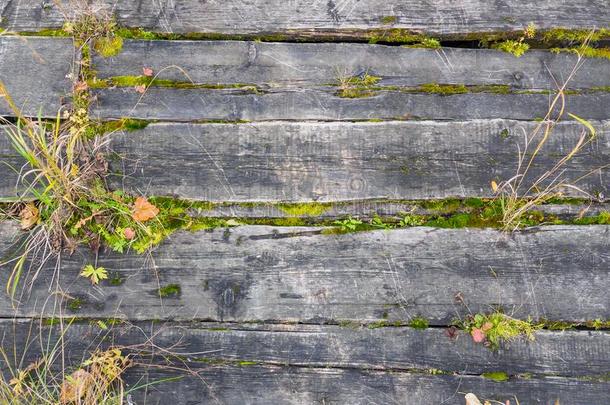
(566, 35)
(133, 81)
(498, 376)
(419, 323)
(304, 209)
(388, 19)
(170, 290)
(75, 304)
(108, 46)
(598, 324)
(430, 43)
(385, 324)
(443, 89)
(517, 48)
(357, 86)
(495, 328)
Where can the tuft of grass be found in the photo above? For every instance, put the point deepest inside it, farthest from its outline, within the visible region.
(419, 323)
(520, 193)
(517, 48)
(496, 328)
(357, 86)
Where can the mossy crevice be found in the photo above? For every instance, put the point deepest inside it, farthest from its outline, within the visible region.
(134, 81)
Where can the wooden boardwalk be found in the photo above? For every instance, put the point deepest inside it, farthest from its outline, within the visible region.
(246, 118)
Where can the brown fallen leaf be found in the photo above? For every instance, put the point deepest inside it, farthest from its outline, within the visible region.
(143, 210)
(74, 386)
(29, 216)
(80, 86)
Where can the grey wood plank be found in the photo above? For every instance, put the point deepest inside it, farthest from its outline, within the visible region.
(287, 385)
(583, 353)
(444, 17)
(308, 104)
(306, 64)
(257, 273)
(224, 377)
(341, 161)
(34, 72)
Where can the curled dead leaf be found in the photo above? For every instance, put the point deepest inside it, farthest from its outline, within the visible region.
(140, 89)
(494, 186)
(129, 233)
(29, 216)
(148, 72)
(74, 387)
(144, 210)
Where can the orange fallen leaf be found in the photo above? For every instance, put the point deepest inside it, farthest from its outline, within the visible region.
(143, 210)
(487, 326)
(74, 386)
(141, 89)
(29, 216)
(148, 72)
(80, 86)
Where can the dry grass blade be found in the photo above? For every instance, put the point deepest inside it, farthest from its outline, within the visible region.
(520, 194)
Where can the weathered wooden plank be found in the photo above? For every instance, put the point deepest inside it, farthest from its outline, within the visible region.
(303, 104)
(342, 161)
(298, 64)
(389, 348)
(444, 17)
(34, 72)
(309, 353)
(281, 161)
(255, 273)
(289, 385)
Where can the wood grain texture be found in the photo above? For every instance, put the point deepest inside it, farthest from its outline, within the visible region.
(444, 17)
(34, 72)
(342, 161)
(325, 105)
(256, 273)
(306, 364)
(296, 64)
(291, 385)
(389, 348)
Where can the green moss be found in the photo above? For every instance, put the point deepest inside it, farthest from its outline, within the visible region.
(419, 323)
(108, 46)
(75, 304)
(558, 325)
(133, 81)
(556, 35)
(497, 328)
(498, 376)
(170, 290)
(444, 89)
(245, 363)
(517, 48)
(116, 279)
(124, 124)
(388, 19)
(598, 324)
(47, 32)
(312, 209)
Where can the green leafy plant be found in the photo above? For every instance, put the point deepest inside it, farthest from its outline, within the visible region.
(349, 224)
(95, 274)
(495, 328)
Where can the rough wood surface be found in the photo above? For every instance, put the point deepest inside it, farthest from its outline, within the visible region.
(306, 364)
(444, 17)
(325, 105)
(389, 348)
(342, 161)
(34, 72)
(292, 385)
(254, 273)
(294, 64)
